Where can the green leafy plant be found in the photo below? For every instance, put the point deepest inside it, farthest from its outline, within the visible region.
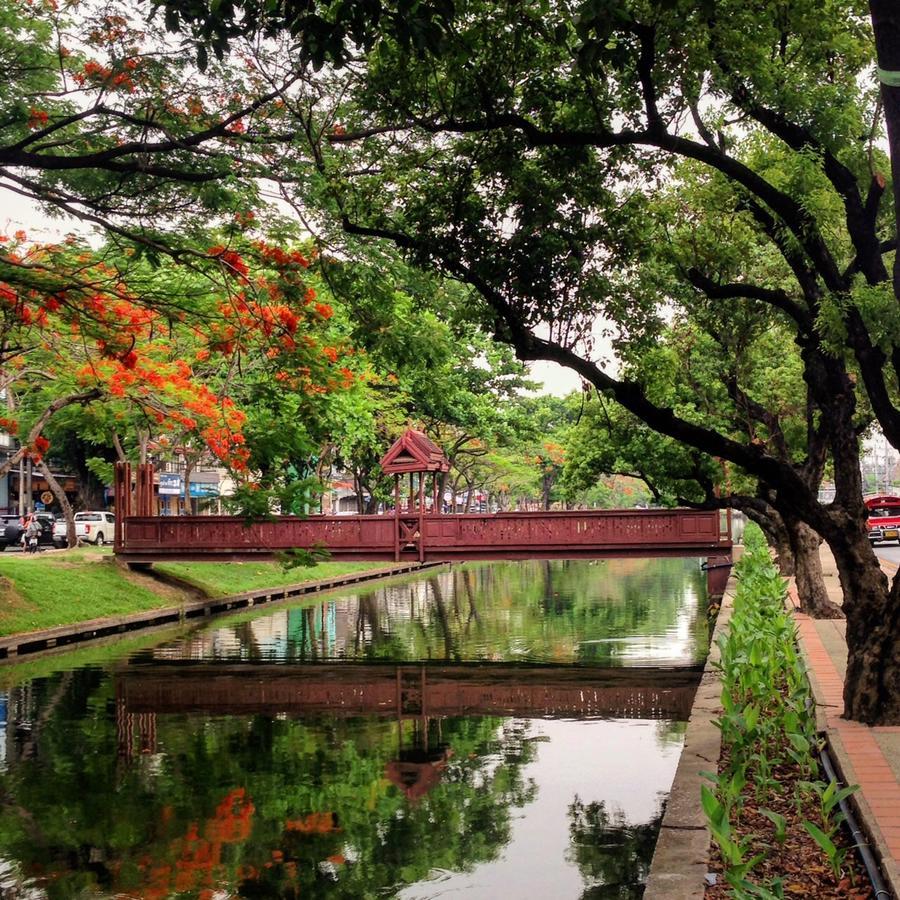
(780, 823)
(767, 723)
(835, 854)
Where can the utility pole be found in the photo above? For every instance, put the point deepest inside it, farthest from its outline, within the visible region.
(29, 486)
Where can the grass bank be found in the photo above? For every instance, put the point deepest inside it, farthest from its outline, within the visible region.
(63, 588)
(223, 579)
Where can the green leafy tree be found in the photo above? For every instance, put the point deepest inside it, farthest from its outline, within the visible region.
(534, 169)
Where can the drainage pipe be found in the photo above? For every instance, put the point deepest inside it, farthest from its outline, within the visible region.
(859, 839)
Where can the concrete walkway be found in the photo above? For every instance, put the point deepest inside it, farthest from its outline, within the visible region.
(867, 756)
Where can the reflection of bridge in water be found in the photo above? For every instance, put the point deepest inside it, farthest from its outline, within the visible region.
(408, 690)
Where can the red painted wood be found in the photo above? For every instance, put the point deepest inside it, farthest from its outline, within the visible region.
(570, 534)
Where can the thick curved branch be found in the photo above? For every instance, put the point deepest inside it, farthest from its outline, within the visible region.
(795, 217)
(41, 422)
(772, 297)
(859, 216)
(116, 158)
(884, 247)
(759, 413)
(630, 395)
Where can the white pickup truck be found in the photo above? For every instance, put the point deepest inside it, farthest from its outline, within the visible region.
(90, 527)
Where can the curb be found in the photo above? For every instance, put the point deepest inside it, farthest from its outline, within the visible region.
(17, 645)
(681, 858)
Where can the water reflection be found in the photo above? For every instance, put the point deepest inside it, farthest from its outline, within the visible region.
(281, 755)
(624, 612)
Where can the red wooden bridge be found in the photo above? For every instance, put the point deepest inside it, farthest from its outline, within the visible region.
(443, 538)
(415, 529)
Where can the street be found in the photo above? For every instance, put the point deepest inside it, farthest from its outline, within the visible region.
(889, 552)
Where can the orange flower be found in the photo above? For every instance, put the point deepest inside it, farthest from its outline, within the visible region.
(37, 118)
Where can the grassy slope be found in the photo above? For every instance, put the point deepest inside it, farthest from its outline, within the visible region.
(49, 589)
(221, 579)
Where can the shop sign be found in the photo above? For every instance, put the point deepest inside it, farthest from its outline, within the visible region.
(171, 484)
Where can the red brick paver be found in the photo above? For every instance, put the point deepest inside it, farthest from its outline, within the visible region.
(879, 787)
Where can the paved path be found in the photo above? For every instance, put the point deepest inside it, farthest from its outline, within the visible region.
(867, 756)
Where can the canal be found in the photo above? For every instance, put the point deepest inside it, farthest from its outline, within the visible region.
(494, 730)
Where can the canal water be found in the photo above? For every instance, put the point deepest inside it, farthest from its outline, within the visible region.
(499, 730)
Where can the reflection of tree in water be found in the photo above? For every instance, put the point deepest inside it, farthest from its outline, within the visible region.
(582, 611)
(255, 804)
(612, 855)
(670, 732)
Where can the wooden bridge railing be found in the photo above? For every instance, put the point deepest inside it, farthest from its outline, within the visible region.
(574, 534)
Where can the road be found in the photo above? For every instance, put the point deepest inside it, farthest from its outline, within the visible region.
(889, 552)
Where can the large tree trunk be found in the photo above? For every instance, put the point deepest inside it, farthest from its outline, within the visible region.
(886, 25)
(808, 571)
(872, 683)
(546, 487)
(358, 490)
(63, 500)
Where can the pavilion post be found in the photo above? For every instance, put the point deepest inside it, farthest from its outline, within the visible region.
(421, 517)
(396, 518)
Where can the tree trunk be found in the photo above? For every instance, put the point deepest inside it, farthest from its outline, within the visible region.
(442, 487)
(808, 572)
(186, 498)
(63, 500)
(886, 25)
(358, 489)
(120, 450)
(454, 487)
(872, 682)
(777, 536)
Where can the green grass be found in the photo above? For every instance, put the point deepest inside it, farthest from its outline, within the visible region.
(50, 589)
(222, 579)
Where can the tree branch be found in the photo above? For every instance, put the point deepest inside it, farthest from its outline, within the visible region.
(772, 297)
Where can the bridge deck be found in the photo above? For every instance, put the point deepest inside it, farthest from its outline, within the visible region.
(438, 538)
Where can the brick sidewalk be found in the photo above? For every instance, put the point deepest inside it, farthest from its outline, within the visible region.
(867, 756)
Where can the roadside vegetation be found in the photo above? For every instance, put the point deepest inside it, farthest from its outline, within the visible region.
(774, 817)
(51, 589)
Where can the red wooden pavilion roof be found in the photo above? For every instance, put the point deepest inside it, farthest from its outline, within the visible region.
(414, 452)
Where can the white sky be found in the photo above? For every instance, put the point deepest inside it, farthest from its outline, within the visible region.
(555, 378)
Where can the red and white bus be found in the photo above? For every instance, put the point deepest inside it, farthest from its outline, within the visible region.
(884, 519)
